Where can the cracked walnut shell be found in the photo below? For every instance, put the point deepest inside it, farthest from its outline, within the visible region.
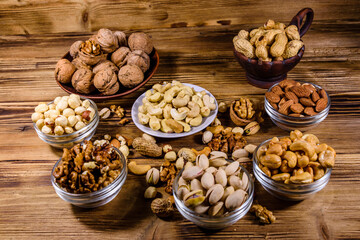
(90, 53)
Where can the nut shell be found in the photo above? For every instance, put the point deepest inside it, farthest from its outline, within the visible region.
(140, 59)
(107, 40)
(78, 63)
(90, 59)
(235, 118)
(140, 41)
(130, 76)
(64, 70)
(121, 37)
(106, 81)
(75, 48)
(82, 81)
(119, 57)
(162, 208)
(105, 65)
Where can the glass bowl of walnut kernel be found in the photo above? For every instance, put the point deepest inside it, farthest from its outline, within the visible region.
(90, 174)
(292, 175)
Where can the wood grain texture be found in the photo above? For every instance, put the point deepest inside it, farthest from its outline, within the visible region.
(194, 40)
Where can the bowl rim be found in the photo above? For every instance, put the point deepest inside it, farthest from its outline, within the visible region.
(202, 216)
(280, 184)
(90, 194)
(70, 89)
(88, 126)
(327, 108)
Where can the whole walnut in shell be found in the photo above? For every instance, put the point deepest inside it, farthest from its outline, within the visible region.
(140, 41)
(130, 76)
(119, 57)
(104, 65)
(82, 81)
(121, 36)
(106, 81)
(140, 59)
(64, 70)
(107, 40)
(90, 53)
(75, 48)
(78, 63)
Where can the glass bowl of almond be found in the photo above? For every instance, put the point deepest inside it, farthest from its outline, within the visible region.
(296, 104)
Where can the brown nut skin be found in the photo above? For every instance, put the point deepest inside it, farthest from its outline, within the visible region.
(140, 59)
(104, 65)
(106, 82)
(82, 81)
(107, 40)
(64, 70)
(119, 57)
(140, 41)
(75, 48)
(130, 76)
(121, 37)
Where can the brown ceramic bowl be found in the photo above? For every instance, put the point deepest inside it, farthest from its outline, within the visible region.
(154, 63)
(235, 118)
(265, 74)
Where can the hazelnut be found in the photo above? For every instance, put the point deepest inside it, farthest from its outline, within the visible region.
(82, 81)
(140, 41)
(119, 57)
(140, 59)
(68, 112)
(104, 65)
(75, 48)
(36, 116)
(61, 121)
(121, 36)
(106, 82)
(64, 70)
(107, 40)
(72, 120)
(58, 130)
(130, 76)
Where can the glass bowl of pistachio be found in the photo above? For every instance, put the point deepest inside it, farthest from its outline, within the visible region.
(66, 121)
(215, 192)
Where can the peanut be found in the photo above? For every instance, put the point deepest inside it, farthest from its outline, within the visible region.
(245, 47)
(278, 47)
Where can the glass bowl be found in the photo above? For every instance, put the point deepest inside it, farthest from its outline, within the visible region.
(289, 192)
(69, 140)
(290, 123)
(97, 198)
(205, 221)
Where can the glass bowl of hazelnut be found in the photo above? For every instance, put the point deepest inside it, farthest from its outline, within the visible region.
(94, 180)
(292, 176)
(66, 121)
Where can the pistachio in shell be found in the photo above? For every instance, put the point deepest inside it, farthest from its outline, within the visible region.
(235, 182)
(217, 209)
(202, 161)
(202, 208)
(104, 65)
(195, 184)
(192, 172)
(64, 70)
(152, 176)
(107, 40)
(182, 191)
(229, 190)
(121, 37)
(140, 59)
(119, 57)
(194, 198)
(75, 48)
(140, 41)
(106, 82)
(220, 177)
(207, 180)
(82, 81)
(130, 76)
(215, 193)
(231, 168)
(235, 199)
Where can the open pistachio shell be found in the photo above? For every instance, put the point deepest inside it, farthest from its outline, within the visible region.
(245, 182)
(194, 198)
(182, 191)
(192, 172)
(218, 162)
(202, 208)
(231, 168)
(202, 161)
(217, 154)
(195, 184)
(215, 193)
(235, 199)
(217, 209)
(235, 182)
(229, 190)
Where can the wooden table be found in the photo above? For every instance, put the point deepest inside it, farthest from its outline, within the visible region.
(194, 40)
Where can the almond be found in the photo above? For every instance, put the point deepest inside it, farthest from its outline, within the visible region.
(287, 82)
(309, 111)
(323, 94)
(296, 115)
(274, 105)
(285, 108)
(296, 108)
(307, 102)
(300, 91)
(292, 96)
(321, 104)
(282, 101)
(278, 91)
(309, 87)
(272, 97)
(315, 97)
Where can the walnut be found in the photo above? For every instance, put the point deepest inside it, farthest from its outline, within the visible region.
(107, 40)
(130, 76)
(75, 48)
(140, 59)
(104, 65)
(106, 81)
(64, 70)
(264, 215)
(140, 41)
(90, 53)
(82, 81)
(119, 57)
(121, 36)
(78, 63)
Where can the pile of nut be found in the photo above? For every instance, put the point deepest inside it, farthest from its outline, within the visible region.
(105, 61)
(64, 116)
(174, 107)
(213, 186)
(299, 158)
(272, 42)
(87, 168)
(297, 100)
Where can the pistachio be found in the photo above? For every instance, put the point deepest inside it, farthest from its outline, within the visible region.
(252, 128)
(192, 172)
(202, 161)
(195, 184)
(239, 153)
(245, 182)
(217, 154)
(250, 148)
(194, 198)
(207, 180)
(220, 177)
(182, 191)
(104, 113)
(217, 209)
(179, 163)
(231, 168)
(181, 181)
(211, 170)
(201, 209)
(235, 199)
(243, 160)
(152, 176)
(229, 190)
(207, 136)
(218, 162)
(215, 193)
(188, 165)
(150, 192)
(235, 182)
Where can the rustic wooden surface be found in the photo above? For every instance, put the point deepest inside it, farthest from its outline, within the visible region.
(194, 43)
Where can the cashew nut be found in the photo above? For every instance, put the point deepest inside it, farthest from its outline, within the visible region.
(143, 118)
(154, 111)
(164, 127)
(154, 123)
(311, 138)
(194, 109)
(304, 146)
(205, 111)
(275, 149)
(327, 159)
(138, 169)
(166, 111)
(321, 147)
(209, 102)
(186, 126)
(181, 101)
(176, 115)
(196, 121)
(197, 99)
(162, 88)
(271, 161)
(291, 158)
(155, 97)
(301, 178)
(169, 94)
(174, 125)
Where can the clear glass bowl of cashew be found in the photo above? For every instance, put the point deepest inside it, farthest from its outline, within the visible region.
(201, 215)
(300, 187)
